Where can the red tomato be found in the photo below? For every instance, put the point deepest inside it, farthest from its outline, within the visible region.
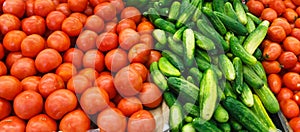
(255, 7)
(283, 23)
(296, 97)
(90, 73)
(12, 124)
(10, 87)
(147, 39)
(290, 14)
(79, 83)
(59, 41)
(139, 53)
(77, 5)
(292, 44)
(116, 59)
(43, 7)
(5, 108)
(1, 51)
(94, 59)
(34, 25)
(117, 98)
(142, 120)
(96, 2)
(88, 11)
(14, 7)
(154, 57)
(284, 94)
(64, 8)
(72, 26)
(131, 13)
(128, 37)
(8, 23)
(74, 56)
(128, 82)
(82, 17)
(289, 4)
(150, 95)
(275, 83)
(278, 6)
(13, 39)
(141, 69)
(66, 71)
(23, 67)
(41, 122)
(94, 23)
(291, 80)
(47, 60)
(107, 41)
(86, 40)
(130, 105)
(25, 102)
(49, 83)
(298, 10)
(287, 59)
(126, 23)
(145, 27)
(55, 19)
(271, 66)
(289, 108)
(110, 27)
(119, 4)
(76, 120)
(100, 100)
(3, 69)
(296, 68)
(296, 2)
(268, 14)
(272, 51)
(276, 33)
(295, 124)
(106, 11)
(106, 82)
(11, 58)
(111, 120)
(31, 83)
(32, 45)
(59, 103)
(296, 33)
(29, 7)
(297, 23)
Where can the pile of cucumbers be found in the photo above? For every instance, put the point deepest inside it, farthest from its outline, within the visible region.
(210, 68)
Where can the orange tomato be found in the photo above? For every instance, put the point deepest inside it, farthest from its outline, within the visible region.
(3, 69)
(10, 87)
(271, 66)
(142, 120)
(289, 108)
(41, 122)
(291, 80)
(75, 120)
(105, 81)
(287, 59)
(5, 108)
(280, 21)
(13, 39)
(111, 120)
(150, 95)
(295, 124)
(100, 100)
(59, 41)
(290, 14)
(66, 71)
(130, 105)
(278, 6)
(272, 51)
(276, 33)
(269, 14)
(13, 124)
(275, 83)
(49, 83)
(23, 67)
(31, 83)
(47, 60)
(78, 83)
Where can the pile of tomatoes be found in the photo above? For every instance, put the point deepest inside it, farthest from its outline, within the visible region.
(281, 53)
(74, 65)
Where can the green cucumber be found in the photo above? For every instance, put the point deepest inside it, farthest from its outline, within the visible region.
(220, 114)
(176, 118)
(191, 109)
(241, 39)
(174, 11)
(188, 119)
(184, 5)
(218, 5)
(188, 46)
(227, 67)
(225, 127)
(173, 59)
(247, 96)
(239, 9)
(204, 65)
(204, 126)
(238, 82)
(268, 99)
(187, 13)
(255, 19)
(188, 128)
(153, 14)
(216, 22)
(179, 33)
(228, 90)
(258, 54)
(203, 54)
(157, 77)
(196, 74)
(159, 46)
(165, 25)
(235, 125)
(204, 42)
(229, 11)
(198, 11)
(190, 79)
(160, 36)
(238, 50)
(170, 98)
(260, 71)
(166, 67)
(250, 25)
(251, 78)
(174, 46)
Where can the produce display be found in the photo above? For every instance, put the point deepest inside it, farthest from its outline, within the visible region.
(218, 65)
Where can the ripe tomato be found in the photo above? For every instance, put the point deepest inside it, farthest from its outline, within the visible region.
(289, 108)
(8, 23)
(47, 60)
(94, 59)
(130, 105)
(150, 95)
(106, 11)
(32, 45)
(111, 120)
(287, 59)
(86, 40)
(278, 6)
(90, 73)
(265, 42)
(89, 10)
(291, 80)
(10, 87)
(289, 4)
(295, 124)
(72, 26)
(145, 27)
(77, 5)
(29, 7)
(34, 25)
(31, 83)
(284, 94)
(106, 82)
(275, 83)
(147, 39)
(125, 23)
(23, 67)
(64, 8)
(298, 11)
(25, 102)
(107, 41)
(296, 68)
(297, 23)
(292, 44)
(100, 100)
(12, 124)
(1, 51)
(94, 23)
(142, 120)
(154, 57)
(296, 33)
(296, 2)
(139, 53)
(3, 69)
(11, 58)
(131, 13)
(49, 83)
(59, 41)
(5, 108)
(76, 120)
(276, 33)
(272, 51)
(283, 23)
(43, 7)
(59, 103)
(14, 7)
(296, 97)
(116, 59)
(117, 99)
(290, 14)
(82, 17)
(41, 122)
(271, 66)
(128, 37)
(55, 19)
(255, 7)
(13, 39)
(128, 81)
(269, 14)
(66, 71)
(96, 2)
(79, 83)
(74, 56)
(141, 69)
(110, 27)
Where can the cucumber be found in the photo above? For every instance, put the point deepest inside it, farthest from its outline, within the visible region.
(204, 42)
(153, 14)
(255, 19)
(216, 22)
(208, 94)
(251, 78)
(179, 33)
(227, 67)
(174, 11)
(238, 82)
(165, 25)
(165, 3)
(173, 59)
(238, 50)
(228, 90)
(235, 125)
(191, 109)
(198, 11)
(218, 5)
(163, 11)
(188, 46)
(241, 39)
(166, 68)
(268, 99)
(208, 4)
(220, 114)
(184, 5)
(244, 115)
(239, 9)
(176, 118)
(157, 77)
(170, 98)
(196, 74)
(229, 11)
(225, 127)
(190, 79)
(247, 96)
(256, 37)
(204, 126)
(203, 54)
(187, 13)
(258, 54)
(188, 128)
(250, 25)
(159, 46)
(188, 119)
(260, 71)
(232, 24)
(174, 46)
(160, 36)
(204, 65)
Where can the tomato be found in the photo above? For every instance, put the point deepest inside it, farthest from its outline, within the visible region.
(41, 122)
(66, 71)
(29, 7)
(287, 59)
(265, 43)
(12, 124)
(272, 51)
(23, 67)
(130, 105)
(255, 7)
(150, 95)
(49, 83)
(275, 83)
(82, 17)
(145, 27)
(116, 59)
(77, 5)
(86, 40)
(47, 60)
(296, 68)
(269, 14)
(128, 82)
(34, 25)
(13, 39)
(131, 13)
(295, 124)
(94, 23)
(298, 10)
(10, 87)
(278, 6)
(154, 57)
(100, 100)
(119, 4)
(55, 19)
(106, 11)
(32, 45)
(284, 94)
(43, 7)
(111, 120)
(79, 83)
(96, 2)
(276, 33)
(1, 51)
(271, 66)
(11, 58)
(88, 11)
(31, 83)
(59, 103)
(94, 59)
(290, 14)
(3, 68)
(25, 102)
(128, 37)
(59, 41)
(297, 23)
(8, 23)
(296, 2)
(292, 44)
(289, 4)
(139, 53)
(296, 97)
(289, 108)
(14, 7)
(283, 23)
(64, 8)
(72, 26)
(76, 120)
(147, 39)
(117, 98)
(106, 82)
(291, 80)
(90, 73)
(142, 120)
(141, 69)
(110, 27)
(74, 56)
(5, 108)
(126, 23)
(111, 105)
(296, 33)
(107, 41)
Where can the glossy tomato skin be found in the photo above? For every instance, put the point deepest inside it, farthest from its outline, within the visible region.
(31, 83)
(34, 25)
(5, 108)
(94, 23)
(86, 40)
(106, 82)
(130, 105)
(255, 7)
(96, 2)
(76, 120)
(49, 83)
(283, 23)
(32, 45)
(64, 8)
(82, 17)
(41, 122)
(284, 94)
(77, 5)
(291, 80)
(90, 73)
(287, 59)
(269, 14)
(296, 97)
(139, 53)
(141, 69)
(150, 95)
(145, 27)
(10, 87)
(116, 59)
(289, 108)
(8, 23)
(72, 26)
(15, 7)
(128, 37)
(66, 71)
(119, 4)
(22, 68)
(111, 120)
(275, 83)
(43, 7)
(147, 39)
(100, 100)
(110, 27)
(55, 19)
(59, 41)
(47, 60)
(276, 33)
(1, 51)
(11, 58)
(142, 120)
(12, 123)
(295, 124)
(125, 23)
(107, 41)
(94, 59)
(131, 13)
(74, 56)
(13, 39)
(272, 51)
(3, 68)
(106, 11)
(292, 44)
(79, 83)
(154, 57)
